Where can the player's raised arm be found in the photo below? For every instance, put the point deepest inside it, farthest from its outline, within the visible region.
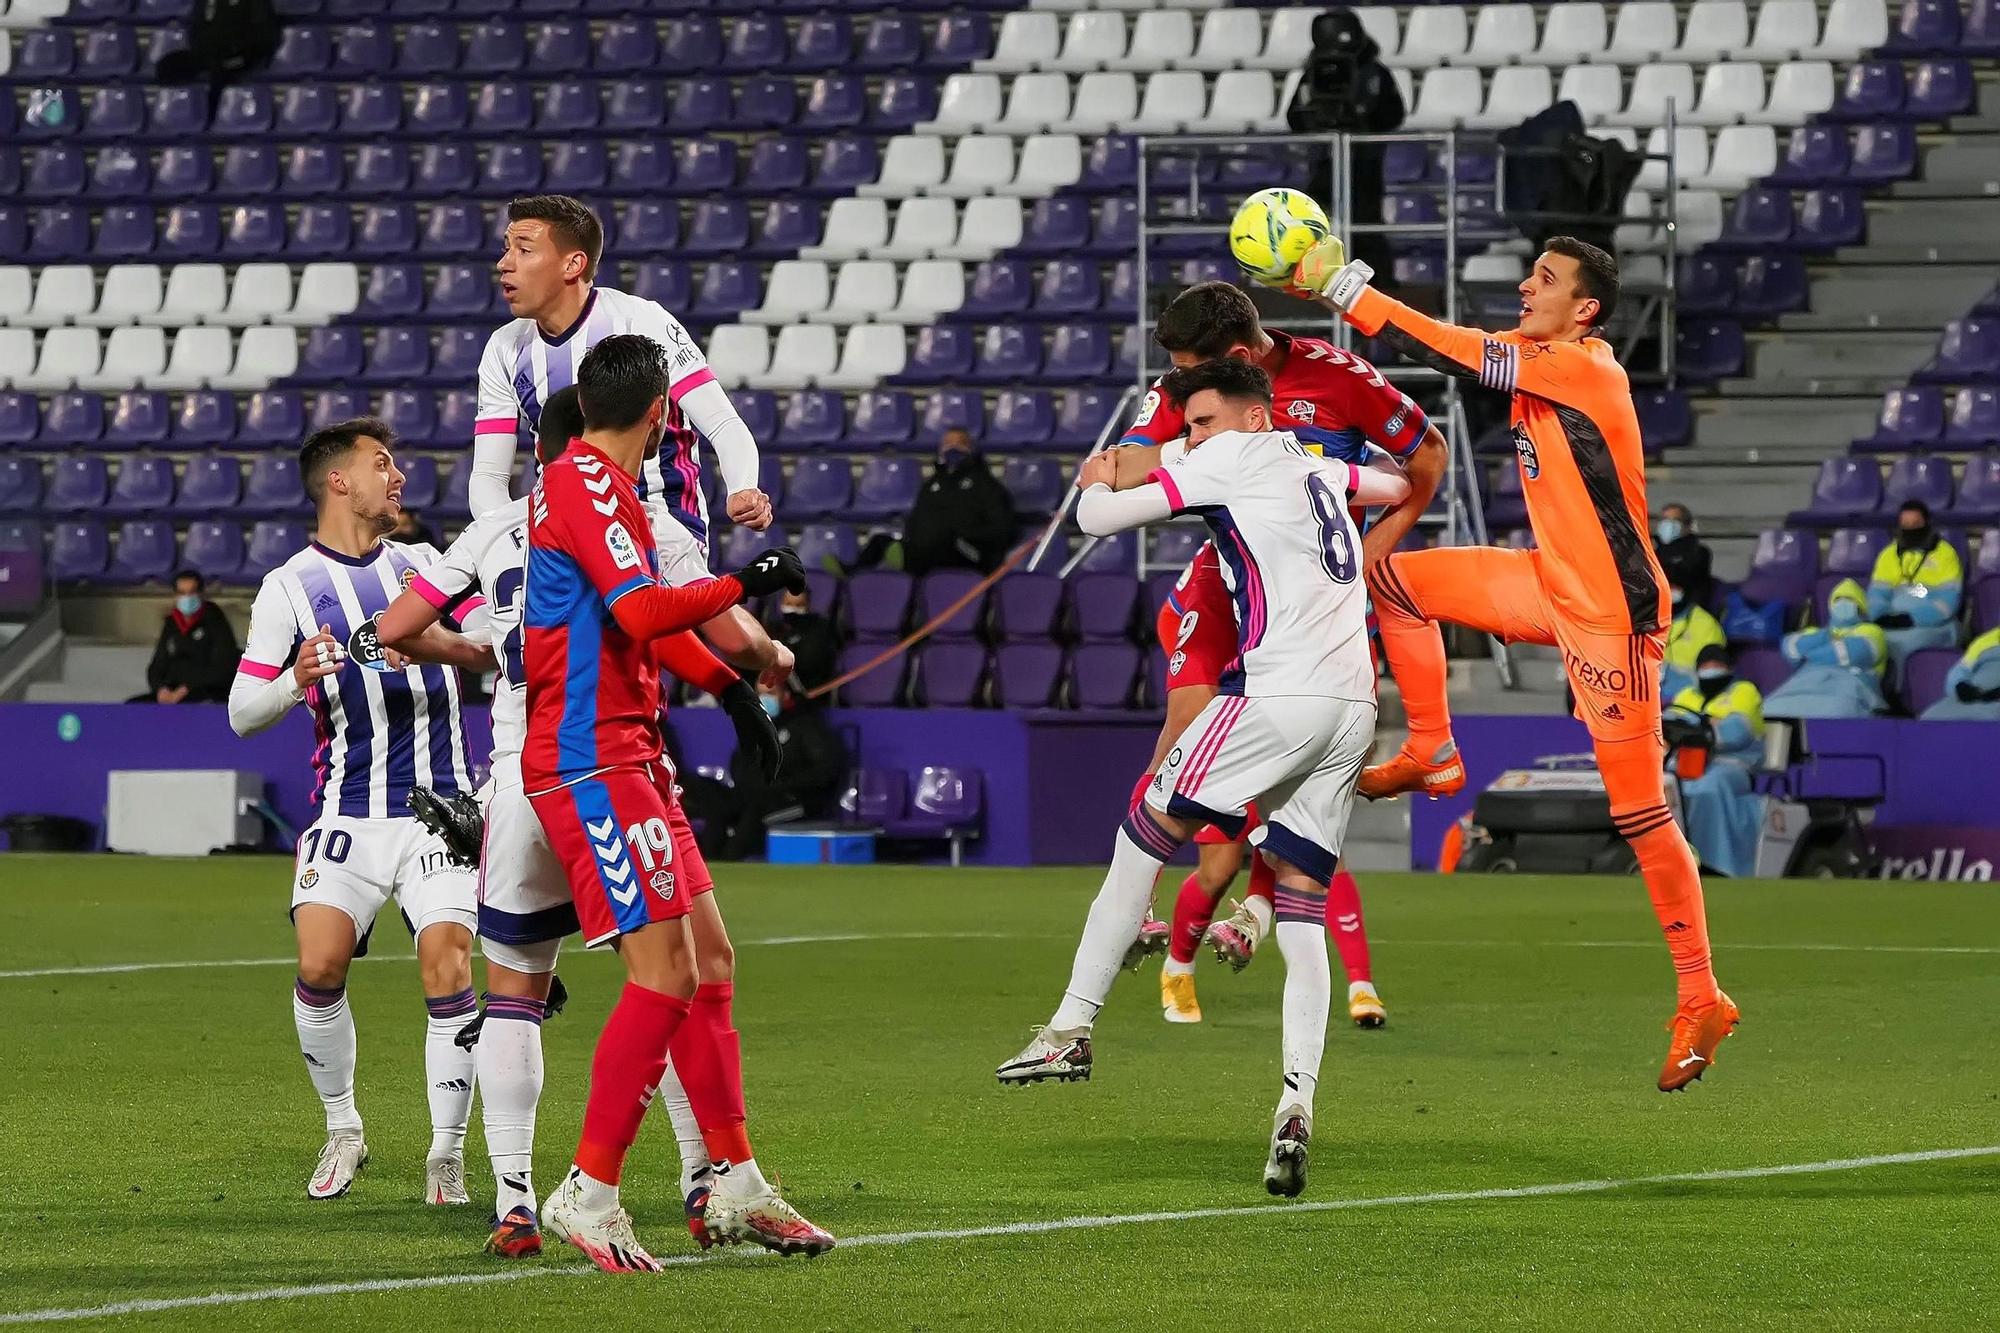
(494, 432)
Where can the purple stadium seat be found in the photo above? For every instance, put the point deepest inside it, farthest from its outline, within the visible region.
(1883, 152)
(887, 487)
(942, 589)
(118, 114)
(321, 231)
(20, 418)
(1121, 300)
(947, 803)
(1081, 415)
(59, 233)
(1112, 165)
(146, 552)
(649, 226)
(1007, 352)
(700, 104)
(820, 487)
(1925, 27)
(834, 102)
(453, 229)
(494, 47)
(1851, 552)
(77, 484)
(145, 484)
(312, 169)
(787, 226)
(125, 231)
(719, 226)
(455, 359)
(256, 231)
(363, 50)
(1981, 34)
(568, 108)
(1759, 219)
(79, 551)
(1709, 349)
(755, 42)
(1978, 499)
(387, 229)
(273, 486)
(878, 603)
(706, 165)
(877, 795)
(184, 171)
(666, 281)
(1704, 284)
(501, 108)
(1769, 285)
(951, 675)
(454, 499)
(1036, 484)
(943, 353)
(446, 170)
(330, 355)
(693, 43)
(1028, 607)
(44, 54)
(1026, 675)
(813, 418)
(626, 46)
(249, 170)
(819, 542)
(412, 415)
(1814, 155)
(425, 49)
(999, 287)
(1022, 419)
(307, 109)
(1975, 419)
(823, 41)
(20, 485)
(880, 688)
(338, 404)
(764, 102)
(1969, 351)
(759, 410)
(420, 481)
(635, 105)
(903, 101)
(1103, 605)
(73, 418)
(1848, 490)
(728, 288)
(440, 108)
(883, 419)
(55, 171)
(645, 167)
(1069, 287)
(1925, 671)
(742, 545)
(958, 40)
(215, 548)
(1911, 418)
(1104, 675)
(1055, 226)
(892, 43)
(212, 484)
(274, 416)
(777, 166)
(1872, 89)
(951, 409)
(1078, 352)
(1924, 477)
(457, 291)
(272, 543)
(1666, 419)
(1766, 668)
(1830, 218)
(508, 170)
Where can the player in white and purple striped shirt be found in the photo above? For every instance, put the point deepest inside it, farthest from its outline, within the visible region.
(547, 273)
(383, 727)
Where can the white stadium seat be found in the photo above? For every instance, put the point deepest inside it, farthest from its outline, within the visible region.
(1742, 154)
(1027, 41)
(195, 292)
(264, 355)
(1800, 90)
(931, 287)
(1406, 86)
(1644, 30)
(1104, 102)
(1597, 90)
(1380, 22)
(1716, 30)
(1575, 30)
(1495, 268)
(1034, 103)
(1063, 5)
(1502, 33)
(17, 355)
(1242, 100)
(1623, 134)
(1229, 39)
(1092, 40)
(17, 293)
(1174, 100)
(199, 356)
(980, 164)
(1515, 93)
(1852, 27)
(63, 294)
(1786, 29)
(796, 289)
(801, 356)
(869, 354)
(134, 356)
(1048, 163)
(1449, 96)
(257, 293)
(1278, 124)
(986, 227)
(738, 354)
(854, 227)
(1653, 86)
(327, 290)
(1161, 39)
(969, 102)
(923, 227)
(1698, 216)
(1288, 37)
(910, 164)
(1434, 35)
(1731, 90)
(1642, 233)
(864, 290)
(1690, 152)
(66, 356)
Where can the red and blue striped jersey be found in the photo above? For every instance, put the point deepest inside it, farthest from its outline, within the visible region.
(593, 689)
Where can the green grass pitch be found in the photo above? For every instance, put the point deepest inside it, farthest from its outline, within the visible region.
(156, 1127)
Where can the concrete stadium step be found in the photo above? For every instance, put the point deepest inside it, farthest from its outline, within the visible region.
(1808, 423)
(1809, 386)
(1739, 500)
(1787, 355)
(1887, 297)
(1941, 222)
(94, 671)
(1964, 165)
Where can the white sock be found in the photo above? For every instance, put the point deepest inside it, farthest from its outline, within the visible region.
(508, 1060)
(739, 1179)
(448, 1070)
(593, 1196)
(673, 1099)
(326, 1039)
(1174, 967)
(1308, 990)
(1355, 988)
(1260, 907)
(1113, 923)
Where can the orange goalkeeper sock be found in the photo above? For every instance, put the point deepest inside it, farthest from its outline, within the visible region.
(1415, 649)
(1631, 771)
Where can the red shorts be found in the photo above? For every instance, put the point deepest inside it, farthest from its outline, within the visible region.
(1211, 836)
(626, 848)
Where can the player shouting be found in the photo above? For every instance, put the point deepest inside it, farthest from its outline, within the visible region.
(382, 730)
(594, 770)
(1290, 728)
(1592, 586)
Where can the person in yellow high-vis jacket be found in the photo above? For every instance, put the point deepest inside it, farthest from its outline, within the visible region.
(1839, 665)
(1722, 814)
(1972, 690)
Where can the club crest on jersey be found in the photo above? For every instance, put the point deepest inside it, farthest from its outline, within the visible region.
(663, 884)
(409, 577)
(1301, 411)
(1524, 449)
(1176, 662)
(624, 551)
(310, 878)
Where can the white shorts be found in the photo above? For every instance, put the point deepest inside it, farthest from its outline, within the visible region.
(524, 899)
(1297, 757)
(358, 865)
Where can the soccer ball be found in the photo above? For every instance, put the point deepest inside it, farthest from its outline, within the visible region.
(1272, 231)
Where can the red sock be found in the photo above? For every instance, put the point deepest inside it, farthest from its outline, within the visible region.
(631, 1055)
(708, 1054)
(1263, 879)
(1194, 908)
(1344, 923)
(1139, 791)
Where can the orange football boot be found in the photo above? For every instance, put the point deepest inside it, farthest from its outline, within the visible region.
(1697, 1030)
(1406, 772)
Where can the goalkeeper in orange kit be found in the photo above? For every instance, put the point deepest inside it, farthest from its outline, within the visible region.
(1592, 587)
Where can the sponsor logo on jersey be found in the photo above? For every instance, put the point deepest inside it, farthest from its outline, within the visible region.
(1524, 449)
(624, 551)
(433, 863)
(663, 884)
(310, 878)
(1173, 759)
(1394, 425)
(1302, 411)
(365, 646)
(1188, 623)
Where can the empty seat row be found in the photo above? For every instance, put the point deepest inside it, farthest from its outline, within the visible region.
(176, 295)
(801, 355)
(1727, 93)
(977, 164)
(1165, 102)
(200, 418)
(1156, 38)
(200, 357)
(860, 290)
(1851, 490)
(1920, 417)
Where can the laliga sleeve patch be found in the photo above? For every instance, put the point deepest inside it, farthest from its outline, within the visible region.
(624, 551)
(1147, 407)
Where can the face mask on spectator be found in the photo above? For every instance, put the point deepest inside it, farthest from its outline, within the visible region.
(188, 603)
(1712, 683)
(1669, 531)
(1680, 598)
(1914, 539)
(1844, 613)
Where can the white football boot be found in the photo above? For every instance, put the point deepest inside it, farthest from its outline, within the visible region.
(344, 1154)
(606, 1238)
(444, 1179)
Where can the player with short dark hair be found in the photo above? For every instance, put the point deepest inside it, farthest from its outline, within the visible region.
(1592, 586)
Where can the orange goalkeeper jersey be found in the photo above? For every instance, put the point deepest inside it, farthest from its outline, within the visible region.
(1576, 436)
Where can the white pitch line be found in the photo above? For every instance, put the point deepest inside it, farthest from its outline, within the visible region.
(896, 1239)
